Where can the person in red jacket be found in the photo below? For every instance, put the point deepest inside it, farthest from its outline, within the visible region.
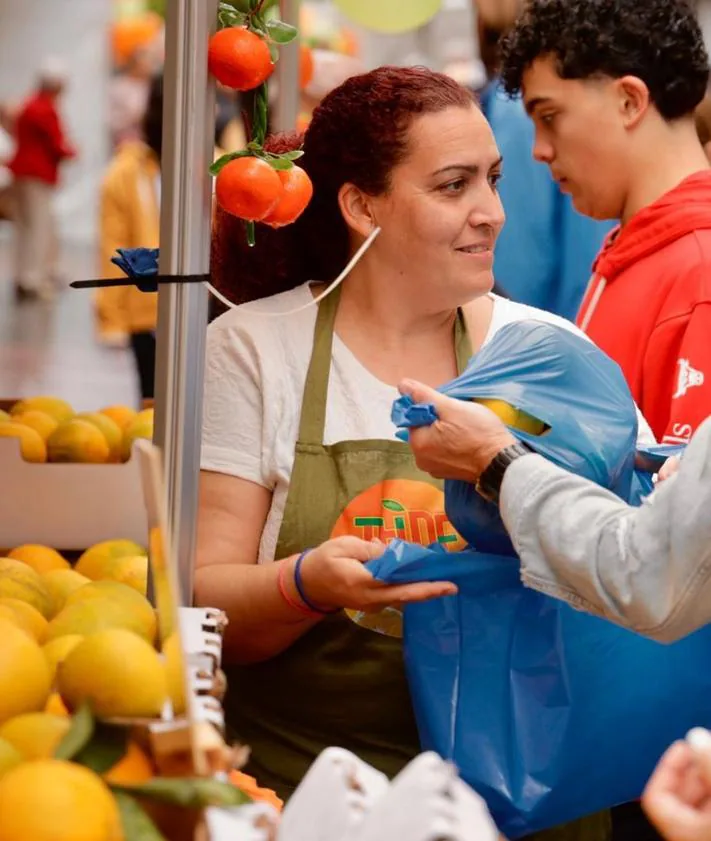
(41, 146)
(612, 86)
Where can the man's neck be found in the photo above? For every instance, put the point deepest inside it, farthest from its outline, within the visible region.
(668, 162)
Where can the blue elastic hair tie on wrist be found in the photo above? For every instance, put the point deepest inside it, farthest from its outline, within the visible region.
(299, 584)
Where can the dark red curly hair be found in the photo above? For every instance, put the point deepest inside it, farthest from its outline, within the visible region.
(357, 135)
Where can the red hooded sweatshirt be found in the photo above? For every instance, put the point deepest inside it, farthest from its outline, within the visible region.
(648, 306)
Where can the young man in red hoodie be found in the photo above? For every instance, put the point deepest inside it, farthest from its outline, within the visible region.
(611, 86)
(41, 146)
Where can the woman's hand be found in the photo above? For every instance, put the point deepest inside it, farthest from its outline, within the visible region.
(677, 799)
(333, 576)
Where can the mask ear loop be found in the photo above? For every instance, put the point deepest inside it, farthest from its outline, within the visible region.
(336, 283)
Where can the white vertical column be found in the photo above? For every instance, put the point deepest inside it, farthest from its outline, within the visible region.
(286, 108)
(188, 143)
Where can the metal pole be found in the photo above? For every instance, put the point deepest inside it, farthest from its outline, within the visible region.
(286, 108)
(186, 211)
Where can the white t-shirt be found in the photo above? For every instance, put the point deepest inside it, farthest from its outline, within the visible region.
(254, 382)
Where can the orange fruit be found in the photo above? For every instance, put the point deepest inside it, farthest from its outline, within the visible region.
(32, 447)
(39, 421)
(120, 415)
(78, 441)
(306, 66)
(297, 190)
(55, 705)
(252, 789)
(41, 558)
(134, 767)
(239, 59)
(47, 799)
(59, 409)
(248, 188)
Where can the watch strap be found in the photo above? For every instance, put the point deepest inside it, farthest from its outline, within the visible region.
(490, 481)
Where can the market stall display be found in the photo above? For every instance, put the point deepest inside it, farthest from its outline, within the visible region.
(118, 698)
(110, 717)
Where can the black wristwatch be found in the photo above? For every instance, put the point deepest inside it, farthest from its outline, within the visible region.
(489, 484)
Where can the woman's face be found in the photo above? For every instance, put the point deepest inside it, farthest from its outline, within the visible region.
(442, 214)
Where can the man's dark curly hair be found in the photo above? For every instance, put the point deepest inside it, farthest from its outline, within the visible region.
(658, 41)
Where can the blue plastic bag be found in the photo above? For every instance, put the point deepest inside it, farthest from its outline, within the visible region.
(560, 378)
(549, 713)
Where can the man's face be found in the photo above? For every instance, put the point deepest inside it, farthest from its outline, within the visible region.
(581, 136)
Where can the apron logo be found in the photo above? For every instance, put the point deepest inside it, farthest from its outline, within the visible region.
(399, 509)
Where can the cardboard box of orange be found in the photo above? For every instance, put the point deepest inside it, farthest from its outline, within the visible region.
(69, 480)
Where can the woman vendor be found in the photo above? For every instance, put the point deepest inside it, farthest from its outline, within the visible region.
(301, 472)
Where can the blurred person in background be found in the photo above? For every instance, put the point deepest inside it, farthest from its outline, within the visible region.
(128, 96)
(8, 115)
(545, 253)
(328, 69)
(41, 146)
(130, 218)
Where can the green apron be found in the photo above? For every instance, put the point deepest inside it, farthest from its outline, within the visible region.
(342, 683)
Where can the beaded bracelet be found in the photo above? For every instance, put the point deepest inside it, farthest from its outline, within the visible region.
(298, 582)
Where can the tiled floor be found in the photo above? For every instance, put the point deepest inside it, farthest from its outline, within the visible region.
(49, 348)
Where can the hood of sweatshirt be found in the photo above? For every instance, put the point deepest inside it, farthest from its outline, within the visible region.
(677, 213)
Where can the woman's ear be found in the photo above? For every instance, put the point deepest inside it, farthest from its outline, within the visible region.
(356, 208)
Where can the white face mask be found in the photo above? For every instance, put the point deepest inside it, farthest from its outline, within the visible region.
(336, 283)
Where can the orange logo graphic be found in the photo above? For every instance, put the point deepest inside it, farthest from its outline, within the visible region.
(399, 508)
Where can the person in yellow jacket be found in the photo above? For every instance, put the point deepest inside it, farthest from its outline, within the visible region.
(130, 218)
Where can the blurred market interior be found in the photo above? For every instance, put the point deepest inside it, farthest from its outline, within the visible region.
(52, 341)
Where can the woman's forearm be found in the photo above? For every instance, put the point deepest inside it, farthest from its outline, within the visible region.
(261, 623)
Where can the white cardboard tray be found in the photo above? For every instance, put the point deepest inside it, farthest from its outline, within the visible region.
(68, 506)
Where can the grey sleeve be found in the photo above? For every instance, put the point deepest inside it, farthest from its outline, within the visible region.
(646, 568)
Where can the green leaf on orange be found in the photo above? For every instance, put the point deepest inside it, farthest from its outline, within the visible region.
(107, 746)
(231, 14)
(227, 20)
(280, 163)
(222, 161)
(78, 736)
(191, 793)
(241, 6)
(135, 822)
(280, 32)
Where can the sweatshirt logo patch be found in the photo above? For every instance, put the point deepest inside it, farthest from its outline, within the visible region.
(687, 377)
